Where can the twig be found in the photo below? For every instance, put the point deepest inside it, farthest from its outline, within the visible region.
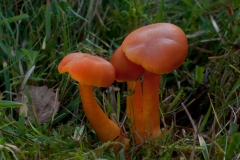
(195, 131)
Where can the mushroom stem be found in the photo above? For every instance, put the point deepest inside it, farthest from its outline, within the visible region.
(134, 110)
(151, 115)
(103, 126)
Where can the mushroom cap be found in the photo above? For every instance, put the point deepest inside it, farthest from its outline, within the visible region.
(125, 70)
(64, 64)
(88, 69)
(159, 48)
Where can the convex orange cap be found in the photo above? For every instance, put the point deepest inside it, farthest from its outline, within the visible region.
(88, 69)
(159, 48)
(125, 69)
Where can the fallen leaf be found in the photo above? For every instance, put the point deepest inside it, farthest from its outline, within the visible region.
(44, 103)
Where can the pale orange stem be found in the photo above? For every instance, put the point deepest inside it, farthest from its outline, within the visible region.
(151, 115)
(134, 110)
(103, 126)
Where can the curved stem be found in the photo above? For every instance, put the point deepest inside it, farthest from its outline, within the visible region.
(151, 115)
(103, 126)
(134, 110)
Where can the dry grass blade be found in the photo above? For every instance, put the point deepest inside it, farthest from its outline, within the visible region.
(195, 131)
(214, 23)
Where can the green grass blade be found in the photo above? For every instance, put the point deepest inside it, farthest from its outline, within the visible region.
(238, 71)
(65, 40)
(205, 120)
(235, 87)
(77, 15)
(48, 139)
(199, 74)
(234, 146)
(5, 48)
(15, 18)
(65, 112)
(9, 28)
(175, 101)
(48, 21)
(204, 146)
(233, 128)
(121, 154)
(6, 79)
(5, 125)
(160, 13)
(9, 104)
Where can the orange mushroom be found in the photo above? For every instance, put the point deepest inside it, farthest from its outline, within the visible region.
(92, 71)
(159, 48)
(130, 72)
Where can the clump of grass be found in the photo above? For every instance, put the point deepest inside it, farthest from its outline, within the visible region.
(36, 35)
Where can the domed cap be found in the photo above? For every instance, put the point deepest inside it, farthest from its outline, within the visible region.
(125, 70)
(159, 48)
(88, 69)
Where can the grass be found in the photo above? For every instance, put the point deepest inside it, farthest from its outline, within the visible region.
(200, 100)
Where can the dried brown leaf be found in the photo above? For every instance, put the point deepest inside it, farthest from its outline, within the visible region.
(43, 102)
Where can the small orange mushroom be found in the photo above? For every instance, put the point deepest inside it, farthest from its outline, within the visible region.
(130, 72)
(159, 48)
(92, 71)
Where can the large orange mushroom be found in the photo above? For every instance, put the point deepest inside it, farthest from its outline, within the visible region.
(159, 48)
(92, 71)
(130, 72)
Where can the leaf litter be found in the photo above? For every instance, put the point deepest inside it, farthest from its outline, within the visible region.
(40, 101)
